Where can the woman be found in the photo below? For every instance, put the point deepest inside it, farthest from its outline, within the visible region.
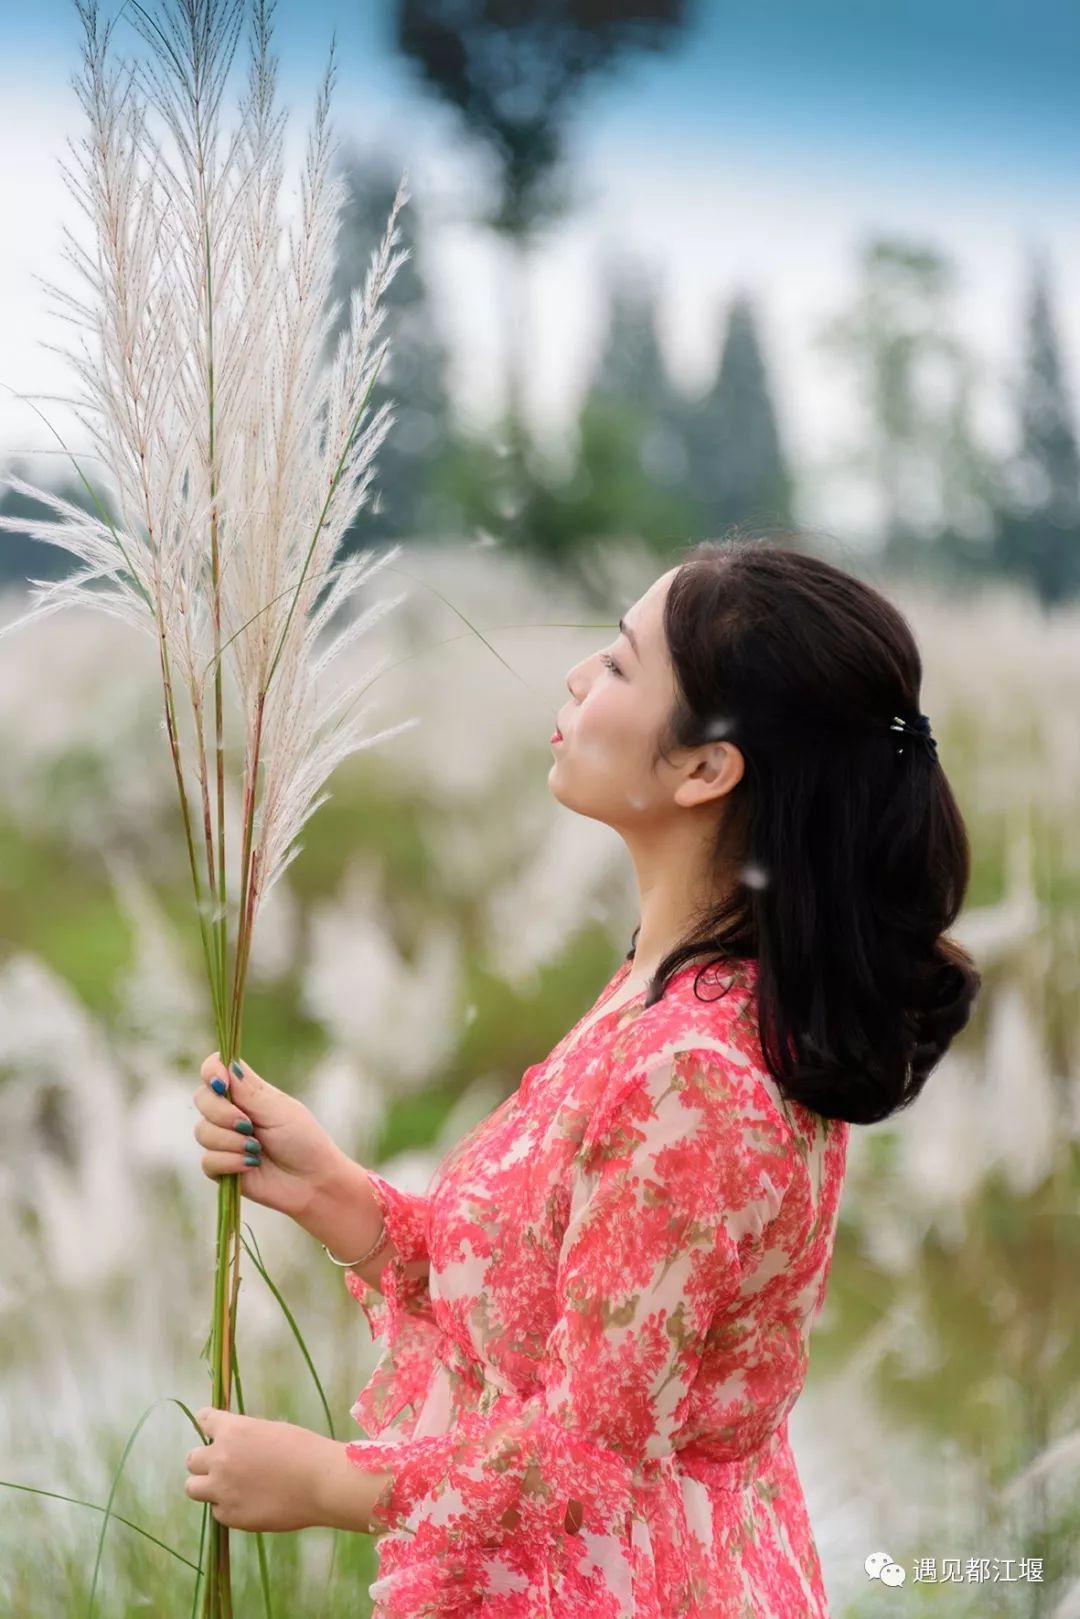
(596, 1319)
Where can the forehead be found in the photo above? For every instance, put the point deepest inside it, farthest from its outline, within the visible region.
(649, 606)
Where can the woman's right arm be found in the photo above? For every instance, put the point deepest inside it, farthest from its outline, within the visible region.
(286, 1161)
(347, 1213)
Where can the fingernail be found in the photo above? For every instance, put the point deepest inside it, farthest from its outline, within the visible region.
(237, 1070)
(245, 1127)
(220, 1086)
(252, 1157)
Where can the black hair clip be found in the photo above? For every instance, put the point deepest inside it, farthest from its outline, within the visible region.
(918, 727)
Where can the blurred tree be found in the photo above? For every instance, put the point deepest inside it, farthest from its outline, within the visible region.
(627, 476)
(630, 478)
(1038, 537)
(607, 494)
(735, 463)
(630, 365)
(969, 493)
(929, 473)
(414, 375)
(514, 70)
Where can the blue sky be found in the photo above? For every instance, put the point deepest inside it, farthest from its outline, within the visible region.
(975, 82)
(758, 153)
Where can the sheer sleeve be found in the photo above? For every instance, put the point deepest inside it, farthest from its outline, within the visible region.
(401, 1313)
(679, 1164)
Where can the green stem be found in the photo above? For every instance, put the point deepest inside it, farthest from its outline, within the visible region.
(248, 882)
(202, 1565)
(264, 1573)
(219, 1591)
(174, 746)
(256, 1257)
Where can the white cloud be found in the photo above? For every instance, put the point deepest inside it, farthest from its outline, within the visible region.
(708, 223)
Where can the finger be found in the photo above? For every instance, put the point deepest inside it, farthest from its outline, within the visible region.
(215, 1073)
(197, 1487)
(218, 1109)
(216, 1139)
(214, 1422)
(216, 1164)
(197, 1460)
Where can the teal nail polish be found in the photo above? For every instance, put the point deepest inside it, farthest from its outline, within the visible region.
(220, 1086)
(252, 1157)
(245, 1127)
(237, 1070)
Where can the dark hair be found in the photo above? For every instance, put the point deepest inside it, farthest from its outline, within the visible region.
(854, 855)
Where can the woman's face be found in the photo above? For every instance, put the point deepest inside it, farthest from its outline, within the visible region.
(621, 696)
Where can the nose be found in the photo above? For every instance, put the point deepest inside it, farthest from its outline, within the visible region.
(575, 676)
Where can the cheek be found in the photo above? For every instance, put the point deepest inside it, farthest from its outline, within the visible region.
(612, 737)
(607, 723)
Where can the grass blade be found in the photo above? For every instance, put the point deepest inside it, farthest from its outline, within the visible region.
(256, 1257)
(92, 1506)
(168, 1399)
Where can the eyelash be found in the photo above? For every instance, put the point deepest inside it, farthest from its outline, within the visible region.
(605, 657)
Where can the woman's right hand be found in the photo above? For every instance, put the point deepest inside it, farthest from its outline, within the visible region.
(295, 1157)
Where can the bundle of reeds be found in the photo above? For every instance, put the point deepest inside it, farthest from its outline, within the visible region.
(237, 461)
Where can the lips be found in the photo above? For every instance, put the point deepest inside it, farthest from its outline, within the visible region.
(556, 735)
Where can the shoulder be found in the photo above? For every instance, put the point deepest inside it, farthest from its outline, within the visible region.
(703, 1051)
(695, 1127)
(702, 1009)
(700, 1004)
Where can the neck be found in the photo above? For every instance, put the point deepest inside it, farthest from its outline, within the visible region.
(672, 889)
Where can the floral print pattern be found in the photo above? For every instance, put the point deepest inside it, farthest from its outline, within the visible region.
(583, 1402)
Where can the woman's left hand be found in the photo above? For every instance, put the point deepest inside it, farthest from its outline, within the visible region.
(259, 1475)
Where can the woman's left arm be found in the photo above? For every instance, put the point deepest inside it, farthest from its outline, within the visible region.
(680, 1162)
(345, 1494)
(267, 1476)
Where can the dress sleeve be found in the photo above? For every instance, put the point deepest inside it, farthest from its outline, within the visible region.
(679, 1164)
(401, 1313)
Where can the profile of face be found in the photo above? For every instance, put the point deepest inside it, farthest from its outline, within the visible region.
(606, 765)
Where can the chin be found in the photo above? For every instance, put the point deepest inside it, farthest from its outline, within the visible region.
(592, 812)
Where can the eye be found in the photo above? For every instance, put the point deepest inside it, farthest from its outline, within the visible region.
(605, 657)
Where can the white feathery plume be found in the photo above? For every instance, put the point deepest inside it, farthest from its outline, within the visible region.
(204, 397)
(238, 461)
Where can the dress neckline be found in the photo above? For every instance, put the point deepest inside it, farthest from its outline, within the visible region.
(611, 989)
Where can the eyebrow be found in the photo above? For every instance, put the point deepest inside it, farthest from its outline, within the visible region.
(630, 636)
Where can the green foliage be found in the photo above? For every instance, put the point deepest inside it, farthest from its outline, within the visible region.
(558, 517)
(58, 904)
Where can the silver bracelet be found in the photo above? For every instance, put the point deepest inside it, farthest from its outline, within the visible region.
(376, 1248)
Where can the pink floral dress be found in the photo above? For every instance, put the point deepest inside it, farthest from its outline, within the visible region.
(584, 1400)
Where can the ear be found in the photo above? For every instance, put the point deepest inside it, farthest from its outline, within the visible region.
(718, 770)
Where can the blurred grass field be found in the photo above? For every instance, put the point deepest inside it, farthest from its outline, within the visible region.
(444, 925)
